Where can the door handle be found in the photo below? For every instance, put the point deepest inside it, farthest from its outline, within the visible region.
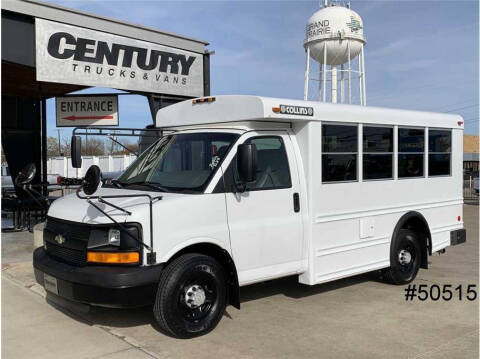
(296, 202)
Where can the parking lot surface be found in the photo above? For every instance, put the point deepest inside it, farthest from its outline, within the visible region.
(359, 317)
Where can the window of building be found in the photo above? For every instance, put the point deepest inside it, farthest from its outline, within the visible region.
(339, 153)
(377, 152)
(439, 152)
(411, 148)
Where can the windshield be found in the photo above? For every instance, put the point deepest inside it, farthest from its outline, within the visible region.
(183, 162)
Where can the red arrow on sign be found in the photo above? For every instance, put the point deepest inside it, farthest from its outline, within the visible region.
(74, 118)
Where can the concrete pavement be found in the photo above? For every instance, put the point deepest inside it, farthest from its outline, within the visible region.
(359, 317)
(33, 329)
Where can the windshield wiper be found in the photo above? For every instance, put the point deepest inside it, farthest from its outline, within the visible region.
(148, 184)
(116, 183)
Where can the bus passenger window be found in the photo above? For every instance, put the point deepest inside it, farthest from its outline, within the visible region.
(339, 153)
(377, 152)
(439, 152)
(411, 148)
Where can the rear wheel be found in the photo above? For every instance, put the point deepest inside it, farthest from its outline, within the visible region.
(191, 296)
(404, 259)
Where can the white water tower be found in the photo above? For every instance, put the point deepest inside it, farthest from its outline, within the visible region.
(334, 39)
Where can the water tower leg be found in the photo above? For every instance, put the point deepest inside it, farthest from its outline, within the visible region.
(360, 87)
(320, 74)
(364, 78)
(342, 84)
(334, 84)
(349, 74)
(324, 72)
(307, 75)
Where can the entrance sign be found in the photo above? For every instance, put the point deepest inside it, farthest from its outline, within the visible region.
(74, 111)
(76, 55)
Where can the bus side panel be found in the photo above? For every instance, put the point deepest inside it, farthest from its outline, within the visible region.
(353, 222)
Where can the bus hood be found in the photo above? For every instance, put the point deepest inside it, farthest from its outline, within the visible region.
(72, 208)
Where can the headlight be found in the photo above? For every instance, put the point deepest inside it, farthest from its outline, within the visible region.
(114, 237)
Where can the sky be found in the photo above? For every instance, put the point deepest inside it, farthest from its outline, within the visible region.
(420, 55)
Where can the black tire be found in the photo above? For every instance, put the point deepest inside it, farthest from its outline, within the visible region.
(404, 265)
(197, 277)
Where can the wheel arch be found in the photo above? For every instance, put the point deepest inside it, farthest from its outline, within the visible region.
(225, 260)
(417, 223)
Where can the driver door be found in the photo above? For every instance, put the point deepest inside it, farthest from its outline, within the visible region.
(266, 232)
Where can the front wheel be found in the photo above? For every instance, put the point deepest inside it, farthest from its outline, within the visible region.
(405, 258)
(191, 296)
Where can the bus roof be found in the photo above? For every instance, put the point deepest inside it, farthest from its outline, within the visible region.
(236, 108)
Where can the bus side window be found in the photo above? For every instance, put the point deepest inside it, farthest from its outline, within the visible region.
(411, 149)
(377, 152)
(439, 152)
(339, 153)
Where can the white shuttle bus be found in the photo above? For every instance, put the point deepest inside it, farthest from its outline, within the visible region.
(243, 189)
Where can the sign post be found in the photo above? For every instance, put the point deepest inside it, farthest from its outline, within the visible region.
(92, 110)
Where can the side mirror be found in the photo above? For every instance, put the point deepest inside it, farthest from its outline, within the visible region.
(76, 151)
(92, 180)
(247, 162)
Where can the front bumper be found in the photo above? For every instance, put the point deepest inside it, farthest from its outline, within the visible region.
(99, 285)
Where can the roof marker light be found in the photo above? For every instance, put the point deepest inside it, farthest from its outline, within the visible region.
(460, 123)
(203, 99)
(276, 109)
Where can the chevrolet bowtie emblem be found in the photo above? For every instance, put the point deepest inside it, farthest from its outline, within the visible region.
(60, 239)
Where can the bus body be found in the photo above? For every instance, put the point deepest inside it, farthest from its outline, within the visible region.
(250, 189)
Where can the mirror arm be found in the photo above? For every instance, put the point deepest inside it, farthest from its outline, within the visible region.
(118, 224)
(240, 187)
(29, 192)
(101, 200)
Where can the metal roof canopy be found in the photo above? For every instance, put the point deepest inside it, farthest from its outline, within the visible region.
(91, 21)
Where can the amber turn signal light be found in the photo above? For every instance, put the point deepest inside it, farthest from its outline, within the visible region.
(113, 258)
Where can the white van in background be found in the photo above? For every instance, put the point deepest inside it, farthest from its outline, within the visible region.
(243, 189)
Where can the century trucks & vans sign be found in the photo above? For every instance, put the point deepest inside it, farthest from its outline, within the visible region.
(75, 55)
(92, 110)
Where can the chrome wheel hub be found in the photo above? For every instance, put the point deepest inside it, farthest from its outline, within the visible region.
(195, 296)
(404, 257)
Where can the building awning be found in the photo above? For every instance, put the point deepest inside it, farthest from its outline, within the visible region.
(29, 68)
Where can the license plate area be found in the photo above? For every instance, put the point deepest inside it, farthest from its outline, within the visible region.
(50, 283)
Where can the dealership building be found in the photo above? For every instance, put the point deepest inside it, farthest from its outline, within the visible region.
(50, 51)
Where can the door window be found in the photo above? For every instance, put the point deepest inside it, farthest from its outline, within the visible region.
(273, 171)
(272, 164)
